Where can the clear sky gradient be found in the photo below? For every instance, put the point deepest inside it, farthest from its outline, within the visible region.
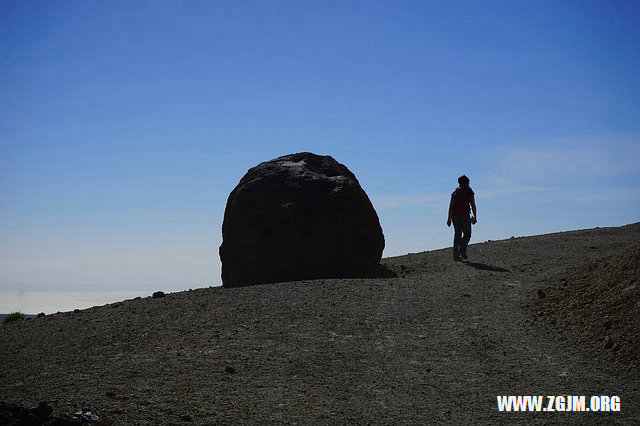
(124, 125)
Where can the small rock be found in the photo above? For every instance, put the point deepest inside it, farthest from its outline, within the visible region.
(11, 414)
(158, 294)
(27, 418)
(186, 418)
(608, 343)
(41, 314)
(541, 294)
(43, 410)
(230, 370)
(403, 267)
(76, 310)
(86, 416)
(111, 394)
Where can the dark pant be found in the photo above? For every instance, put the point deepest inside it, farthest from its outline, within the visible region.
(462, 233)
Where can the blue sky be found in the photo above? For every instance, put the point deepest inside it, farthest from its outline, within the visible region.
(125, 125)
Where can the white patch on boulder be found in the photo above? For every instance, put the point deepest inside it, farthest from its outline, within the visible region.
(298, 165)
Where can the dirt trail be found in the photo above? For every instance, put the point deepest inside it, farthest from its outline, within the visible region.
(435, 344)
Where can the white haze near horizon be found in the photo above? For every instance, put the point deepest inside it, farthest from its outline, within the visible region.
(49, 302)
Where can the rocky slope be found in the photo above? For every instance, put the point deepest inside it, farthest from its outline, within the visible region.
(598, 304)
(437, 343)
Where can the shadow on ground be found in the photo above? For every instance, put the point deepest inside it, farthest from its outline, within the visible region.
(382, 271)
(485, 267)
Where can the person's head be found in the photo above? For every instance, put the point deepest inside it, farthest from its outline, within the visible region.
(463, 180)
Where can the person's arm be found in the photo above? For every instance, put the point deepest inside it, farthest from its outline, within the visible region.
(449, 214)
(473, 208)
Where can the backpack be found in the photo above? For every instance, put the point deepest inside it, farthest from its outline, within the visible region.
(461, 200)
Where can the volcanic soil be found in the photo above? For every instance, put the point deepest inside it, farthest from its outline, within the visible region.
(436, 343)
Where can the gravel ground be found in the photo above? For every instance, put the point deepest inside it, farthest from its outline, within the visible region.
(598, 304)
(435, 344)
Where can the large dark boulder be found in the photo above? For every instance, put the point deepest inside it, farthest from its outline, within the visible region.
(300, 216)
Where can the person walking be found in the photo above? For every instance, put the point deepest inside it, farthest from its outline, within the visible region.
(462, 203)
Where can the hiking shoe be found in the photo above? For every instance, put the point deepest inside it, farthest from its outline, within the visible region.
(456, 258)
(463, 255)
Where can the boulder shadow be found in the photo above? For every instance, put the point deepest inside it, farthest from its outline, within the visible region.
(381, 271)
(485, 267)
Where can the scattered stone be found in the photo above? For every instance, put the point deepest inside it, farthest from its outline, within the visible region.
(158, 294)
(76, 311)
(186, 418)
(230, 370)
(541, 294)
(296, 217)
(12, 414)
(111, 394)
(86, 416)
(41, 314)
(43, 410)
